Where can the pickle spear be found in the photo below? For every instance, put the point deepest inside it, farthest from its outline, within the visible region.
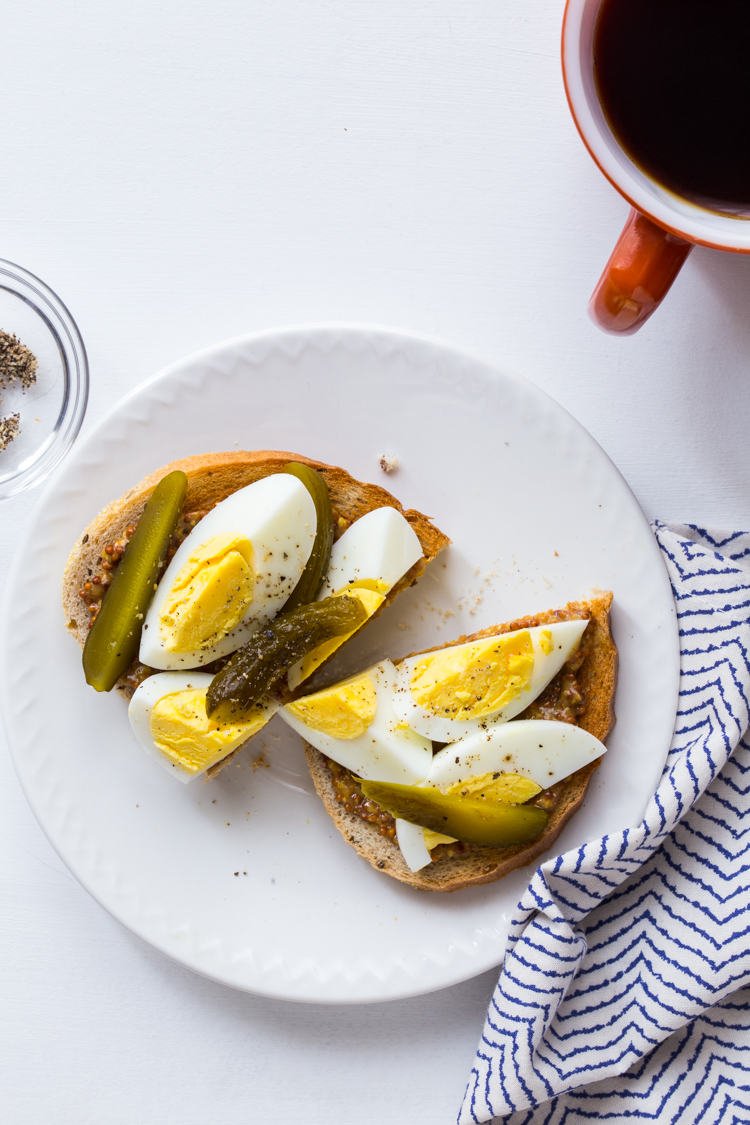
(317, 565)
(471, 819)
(114, 638)
(274, 648)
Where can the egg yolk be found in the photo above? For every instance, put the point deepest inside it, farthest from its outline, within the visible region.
(182, 730)
(546, 643)
(371, 600)
(509, 788)
(377, 585)
(210, 595)
(475, 680)
(432, 839)
(343, 711)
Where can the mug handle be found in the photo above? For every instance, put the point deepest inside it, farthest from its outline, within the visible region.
(637, 277)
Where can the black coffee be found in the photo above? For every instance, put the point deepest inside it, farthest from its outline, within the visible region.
(673, 78)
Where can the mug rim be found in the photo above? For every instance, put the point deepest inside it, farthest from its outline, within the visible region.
(667, 209)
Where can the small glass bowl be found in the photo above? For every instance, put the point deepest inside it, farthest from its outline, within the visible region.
(52, 410)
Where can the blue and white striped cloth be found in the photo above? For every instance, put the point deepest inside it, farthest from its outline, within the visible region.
(621, 996)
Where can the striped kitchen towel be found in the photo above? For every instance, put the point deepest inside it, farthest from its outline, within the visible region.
(620, 997)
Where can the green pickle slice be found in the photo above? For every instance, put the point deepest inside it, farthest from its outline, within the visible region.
(317, 565)
(271, 651)
(115, 636)
(471, 819)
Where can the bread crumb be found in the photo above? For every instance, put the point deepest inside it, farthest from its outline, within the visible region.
(388, 462)
(477, 602)
(260, 763)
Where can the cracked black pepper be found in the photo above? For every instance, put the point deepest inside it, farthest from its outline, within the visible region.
(18, 366)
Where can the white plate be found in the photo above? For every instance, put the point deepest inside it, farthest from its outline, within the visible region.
(538, 515)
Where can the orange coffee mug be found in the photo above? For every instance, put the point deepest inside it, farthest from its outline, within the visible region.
(662, 227)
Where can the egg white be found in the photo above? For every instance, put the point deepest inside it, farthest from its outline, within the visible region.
(384, 752)
(540, 749)
(411, 841)
(277, 515)
(148, 694)
(565, 638)
(380, 546)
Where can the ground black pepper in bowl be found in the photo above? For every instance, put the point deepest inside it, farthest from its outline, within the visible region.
(18, 366)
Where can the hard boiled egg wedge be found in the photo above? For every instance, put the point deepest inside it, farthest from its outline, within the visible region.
(168, 717)
(495, 762)
(458, 691)
(511, 763)
(231, 575)
(353, 723)
(367, 561)
(376, 551)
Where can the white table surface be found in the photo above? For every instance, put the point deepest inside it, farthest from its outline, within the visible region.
(183, 172)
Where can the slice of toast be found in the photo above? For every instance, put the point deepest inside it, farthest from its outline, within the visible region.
(449, 871)
(211, 478)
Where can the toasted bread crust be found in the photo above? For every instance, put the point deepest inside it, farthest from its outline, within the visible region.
(211, 478)
(598, 678)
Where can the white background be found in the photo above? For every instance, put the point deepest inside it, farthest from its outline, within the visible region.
(184, 172)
